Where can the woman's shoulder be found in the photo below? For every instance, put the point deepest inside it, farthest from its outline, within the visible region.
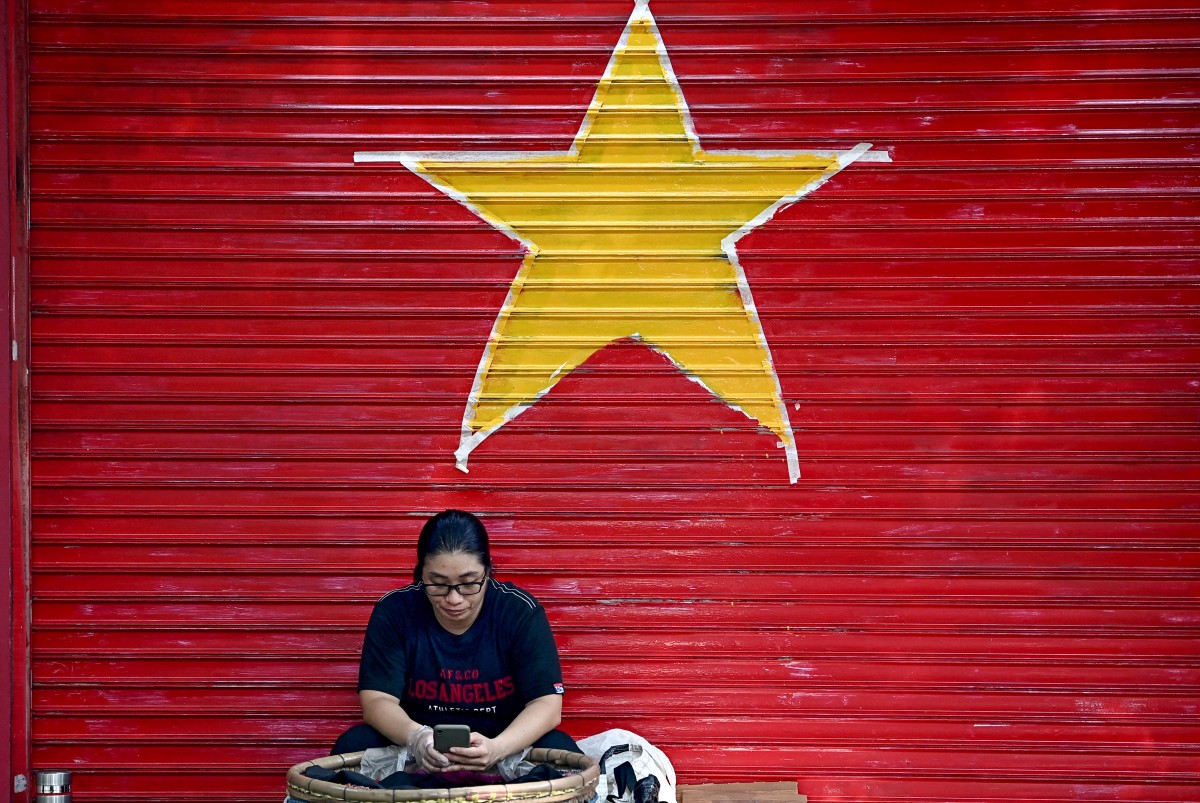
(513, 596)
(400, 598)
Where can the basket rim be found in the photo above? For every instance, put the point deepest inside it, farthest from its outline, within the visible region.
(551, 791)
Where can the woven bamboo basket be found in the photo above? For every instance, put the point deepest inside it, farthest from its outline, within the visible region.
(577, 787)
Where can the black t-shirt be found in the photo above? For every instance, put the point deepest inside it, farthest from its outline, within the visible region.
(482, 678)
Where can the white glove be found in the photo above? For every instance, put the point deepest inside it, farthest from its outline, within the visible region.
(420, 748)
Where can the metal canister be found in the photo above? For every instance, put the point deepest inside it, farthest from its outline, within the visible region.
(53, 786)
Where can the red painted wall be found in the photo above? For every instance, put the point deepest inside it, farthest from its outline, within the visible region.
(14, 405)
(7, 685)
(251, 359)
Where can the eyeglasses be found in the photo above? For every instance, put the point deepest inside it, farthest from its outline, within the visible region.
(464, 589)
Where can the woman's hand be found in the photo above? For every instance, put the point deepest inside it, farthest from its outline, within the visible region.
(482, 753)
(420, 747)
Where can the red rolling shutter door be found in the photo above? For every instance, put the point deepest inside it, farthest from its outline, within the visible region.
(251, 359)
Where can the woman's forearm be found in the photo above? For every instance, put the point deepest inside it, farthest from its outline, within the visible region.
(539, 717)
(383, 713)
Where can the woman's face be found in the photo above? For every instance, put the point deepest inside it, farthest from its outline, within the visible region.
(455, 611)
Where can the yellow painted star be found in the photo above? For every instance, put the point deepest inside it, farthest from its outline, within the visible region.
(629, 234)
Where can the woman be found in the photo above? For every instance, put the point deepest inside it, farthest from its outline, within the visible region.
(458, 647)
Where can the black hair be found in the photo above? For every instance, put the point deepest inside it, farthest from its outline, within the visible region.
(452, 531)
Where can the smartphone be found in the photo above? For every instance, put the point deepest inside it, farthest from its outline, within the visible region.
(447, 736)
